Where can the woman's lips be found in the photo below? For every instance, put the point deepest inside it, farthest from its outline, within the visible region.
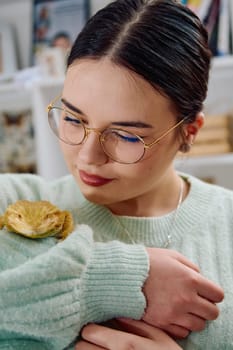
(93, 180)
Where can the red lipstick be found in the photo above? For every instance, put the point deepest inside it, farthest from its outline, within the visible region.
(93, 180)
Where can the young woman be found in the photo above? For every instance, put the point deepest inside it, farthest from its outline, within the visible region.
(133, 97)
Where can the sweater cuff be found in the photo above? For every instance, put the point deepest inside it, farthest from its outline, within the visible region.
(112, 283)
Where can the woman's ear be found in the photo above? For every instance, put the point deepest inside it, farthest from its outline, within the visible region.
(190, 132)
(191, 129)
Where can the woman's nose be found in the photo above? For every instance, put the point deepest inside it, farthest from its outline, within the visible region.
(91, 151)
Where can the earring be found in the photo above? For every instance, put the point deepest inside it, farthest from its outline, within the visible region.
(185, 147)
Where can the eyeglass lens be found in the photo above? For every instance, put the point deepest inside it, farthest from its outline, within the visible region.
(120, 145)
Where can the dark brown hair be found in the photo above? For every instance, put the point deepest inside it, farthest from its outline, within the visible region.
(161, 40)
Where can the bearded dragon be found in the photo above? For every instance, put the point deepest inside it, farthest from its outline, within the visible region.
(37, 219)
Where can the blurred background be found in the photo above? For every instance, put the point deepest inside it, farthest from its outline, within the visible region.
(35, 39)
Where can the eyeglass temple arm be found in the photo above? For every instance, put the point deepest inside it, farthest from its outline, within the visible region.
(51, 104)
(149, 145)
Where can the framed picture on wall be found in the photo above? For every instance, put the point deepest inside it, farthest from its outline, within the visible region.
(57, 23)
(8, 62)
(18, 156)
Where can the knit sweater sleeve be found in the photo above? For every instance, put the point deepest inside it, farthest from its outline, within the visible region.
(49, 291)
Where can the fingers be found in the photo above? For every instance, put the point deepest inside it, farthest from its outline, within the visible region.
(187, 324)
(206, 309)
(97, 337)
(207, 288)
(177, 331)
(161, 340)
(203, 310)
(179, 298)
(84, 345)
(142, 329)
(210, 290)
(100, 335)
(192, 322)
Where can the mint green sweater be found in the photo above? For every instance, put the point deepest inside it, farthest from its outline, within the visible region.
(49, 290)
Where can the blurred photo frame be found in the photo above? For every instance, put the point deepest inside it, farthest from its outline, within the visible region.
(56, 23)
(8, 61)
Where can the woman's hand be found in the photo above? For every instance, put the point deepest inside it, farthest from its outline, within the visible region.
(179, 298)
(137, 335)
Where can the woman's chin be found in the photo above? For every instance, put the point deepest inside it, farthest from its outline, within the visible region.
(97, 197)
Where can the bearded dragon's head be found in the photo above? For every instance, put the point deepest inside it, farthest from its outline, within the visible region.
(34, 219)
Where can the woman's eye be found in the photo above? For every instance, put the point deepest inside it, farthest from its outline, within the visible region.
(126, 137)
(72, 120)
(132, 139)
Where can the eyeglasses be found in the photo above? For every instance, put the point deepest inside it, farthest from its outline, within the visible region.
(118, 144)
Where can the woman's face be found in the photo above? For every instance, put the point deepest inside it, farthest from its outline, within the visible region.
(110, 95)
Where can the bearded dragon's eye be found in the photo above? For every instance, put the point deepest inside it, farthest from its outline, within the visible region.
(19, 216)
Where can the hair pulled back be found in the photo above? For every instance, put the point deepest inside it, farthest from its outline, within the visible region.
(161, 40)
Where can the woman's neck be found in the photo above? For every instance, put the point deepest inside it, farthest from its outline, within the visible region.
(159, 201)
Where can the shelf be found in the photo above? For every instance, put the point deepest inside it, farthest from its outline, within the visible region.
(217, 160)
(219, 98)
(11, 87)
(224, 62)
(217, 168)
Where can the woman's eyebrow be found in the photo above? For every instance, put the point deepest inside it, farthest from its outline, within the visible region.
(132, 124)
(71, 107)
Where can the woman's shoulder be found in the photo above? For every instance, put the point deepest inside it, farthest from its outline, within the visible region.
(209, 186)
(211, 192)
(33, 187)
(20, 186)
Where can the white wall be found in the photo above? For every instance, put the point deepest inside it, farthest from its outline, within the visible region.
(19, 14)
(98, 4)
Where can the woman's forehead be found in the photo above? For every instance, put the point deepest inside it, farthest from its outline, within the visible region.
(109, 88)
(105, 74)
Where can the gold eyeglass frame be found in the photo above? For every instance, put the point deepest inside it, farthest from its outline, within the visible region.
(87, 130)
